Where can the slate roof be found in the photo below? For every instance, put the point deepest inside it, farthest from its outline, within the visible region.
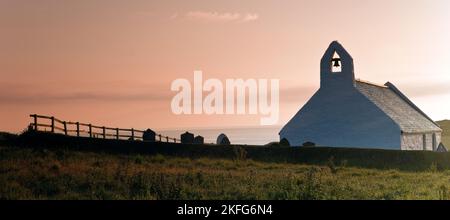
(398, 107)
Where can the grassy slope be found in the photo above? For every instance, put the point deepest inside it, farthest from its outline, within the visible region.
(59, 174)
(62, 174)
(445, 125)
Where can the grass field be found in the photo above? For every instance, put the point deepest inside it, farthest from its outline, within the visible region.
(60, 174)
(193, 172)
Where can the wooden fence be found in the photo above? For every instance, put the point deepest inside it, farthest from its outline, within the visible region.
(54, 125)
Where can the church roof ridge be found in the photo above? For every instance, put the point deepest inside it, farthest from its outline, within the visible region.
(371, 83)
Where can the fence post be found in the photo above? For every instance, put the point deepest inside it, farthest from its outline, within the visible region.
(159, 135)
(104, 132)
(167, 138)
(53, 124)
(132, 134)
(117, 133)
(90, 130)
(78, 129)
(35, 122)
(65, 127)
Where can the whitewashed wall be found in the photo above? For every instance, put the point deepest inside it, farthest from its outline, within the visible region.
(415, 141)
(342, 117)
(338, 114)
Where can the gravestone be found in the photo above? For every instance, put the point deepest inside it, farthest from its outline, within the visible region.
(199, 140)
(187, 138)
(223, 140)
(284, 142)
(149, 135)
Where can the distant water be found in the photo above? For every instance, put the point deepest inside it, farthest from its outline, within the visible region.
(250, 136)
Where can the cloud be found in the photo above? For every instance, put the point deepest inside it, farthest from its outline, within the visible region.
(174, 16)
(250, 17)
(208, 16)
(108, 91)
(44, 98)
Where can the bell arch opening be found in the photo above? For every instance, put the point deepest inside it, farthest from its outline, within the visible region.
(335, 63)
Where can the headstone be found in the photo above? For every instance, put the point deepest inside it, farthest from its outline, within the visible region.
(285, 143)
(223, 140)
(187, 138)
(199, 139)
(149, 135)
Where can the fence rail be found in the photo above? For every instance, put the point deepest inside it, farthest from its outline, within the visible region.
(88, 130)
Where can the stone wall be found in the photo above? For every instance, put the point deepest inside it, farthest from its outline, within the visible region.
(415, 141)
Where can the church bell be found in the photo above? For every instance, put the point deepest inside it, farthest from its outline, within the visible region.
(336, 62)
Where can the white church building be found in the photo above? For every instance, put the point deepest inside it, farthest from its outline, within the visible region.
(347, 112)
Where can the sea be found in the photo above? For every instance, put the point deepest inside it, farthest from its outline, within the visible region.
(241, 135)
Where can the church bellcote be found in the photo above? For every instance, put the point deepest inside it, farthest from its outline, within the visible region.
(336, 67)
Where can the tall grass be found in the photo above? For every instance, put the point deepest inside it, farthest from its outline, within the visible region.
(65, 174)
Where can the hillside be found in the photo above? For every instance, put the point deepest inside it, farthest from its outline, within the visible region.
(445, 126)
(60, 174)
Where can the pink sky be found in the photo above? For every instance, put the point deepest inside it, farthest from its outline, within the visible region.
(112, 62)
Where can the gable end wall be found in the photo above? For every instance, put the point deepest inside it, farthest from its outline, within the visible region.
(414, 141)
